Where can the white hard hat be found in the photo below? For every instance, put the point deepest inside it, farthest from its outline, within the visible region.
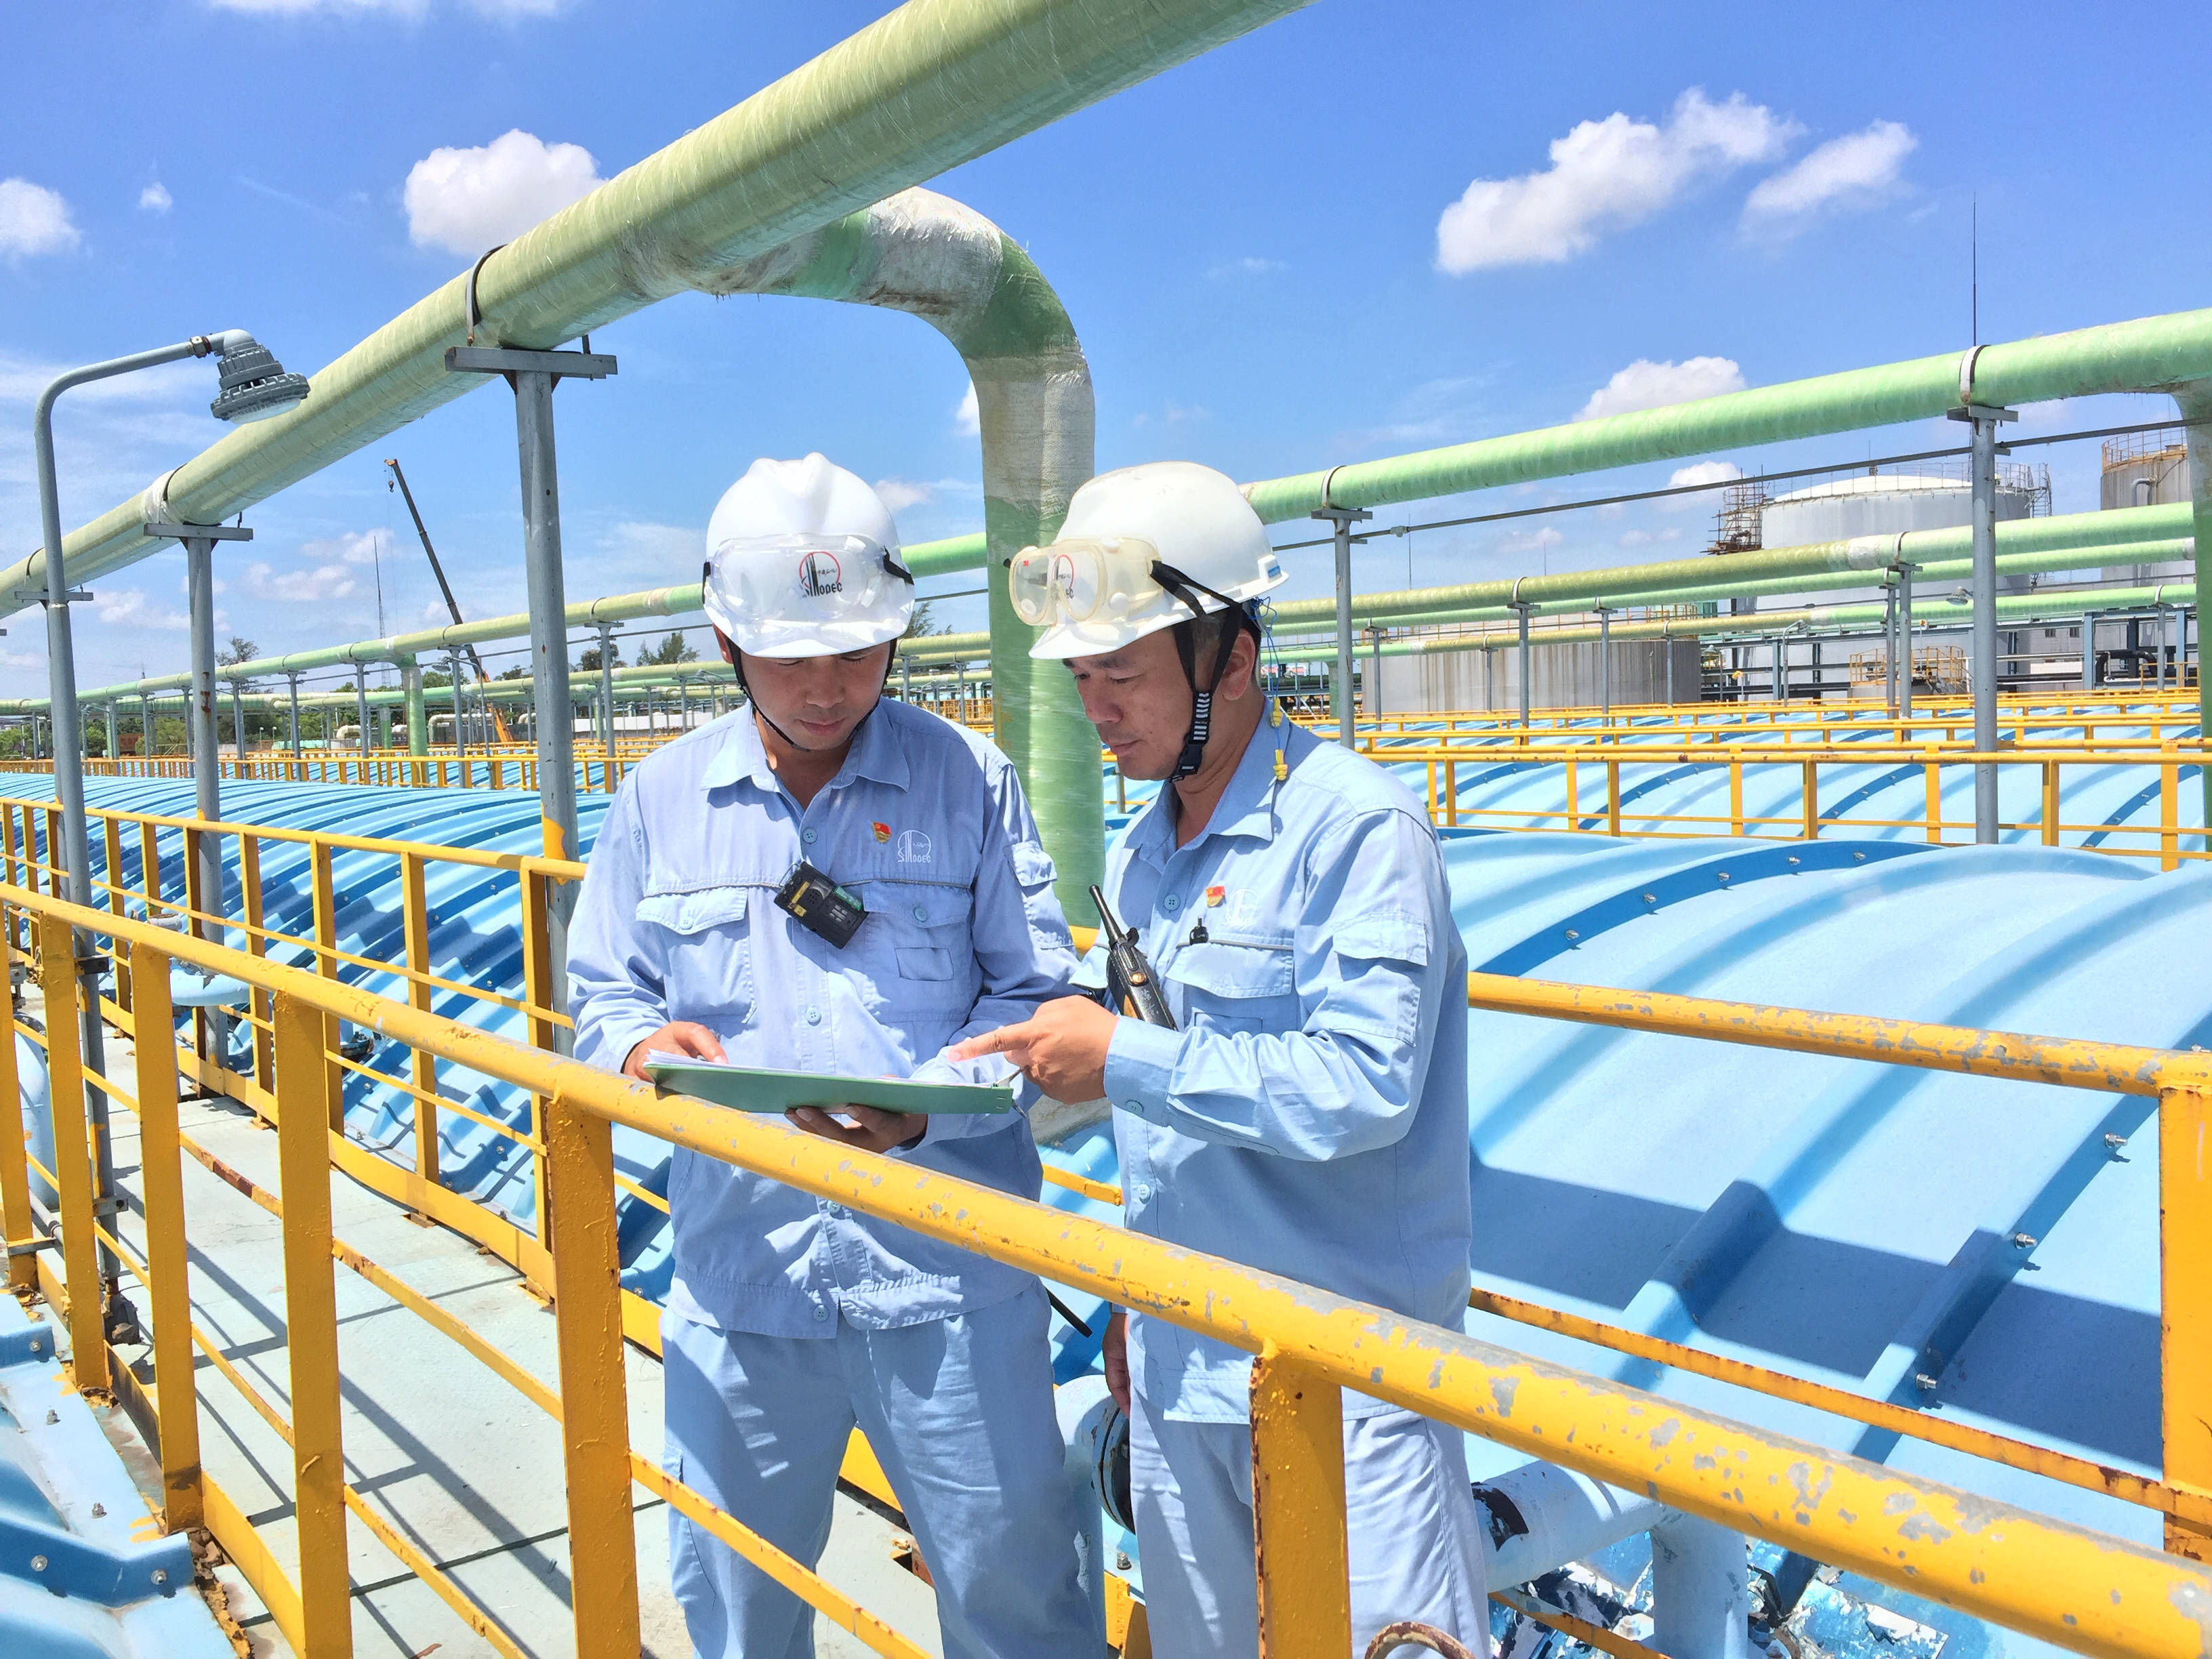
(803, 561)
(1131, 538)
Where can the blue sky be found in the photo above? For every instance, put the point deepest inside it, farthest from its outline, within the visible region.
(1249, 247)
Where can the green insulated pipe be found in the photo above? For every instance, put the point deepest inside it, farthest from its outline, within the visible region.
(1863, 557)
(2014, 609)
(2152, 354)
(928, 255)
(924, 89)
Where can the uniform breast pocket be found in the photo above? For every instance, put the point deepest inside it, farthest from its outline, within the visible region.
(1241, 984)
(923, 952)
(714, 962)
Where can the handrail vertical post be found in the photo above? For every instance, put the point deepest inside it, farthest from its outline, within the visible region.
(1736, 794)
(415, 910)
(162, 1188)
(1613, 798)
(2169, 810)
(1302, 1560)
(2185, 1201)
(249, 881)
(594, 1394)
(1811, 794)
(537, 994)
(311, 1323)
(1451, 793)
(57, 980)
(326, 965)
(1932, 765)
(112, 836)
(16, 1228)
(2051, 803)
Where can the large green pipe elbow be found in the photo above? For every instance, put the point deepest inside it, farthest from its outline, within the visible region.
(928, 256)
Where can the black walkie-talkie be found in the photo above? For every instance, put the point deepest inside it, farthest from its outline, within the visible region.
(1131, 986)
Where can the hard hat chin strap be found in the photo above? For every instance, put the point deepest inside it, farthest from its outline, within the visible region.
(1186, 589)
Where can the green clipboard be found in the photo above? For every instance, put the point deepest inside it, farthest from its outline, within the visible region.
(748, 1089)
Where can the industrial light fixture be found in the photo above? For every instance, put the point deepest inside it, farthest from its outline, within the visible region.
(255, 385)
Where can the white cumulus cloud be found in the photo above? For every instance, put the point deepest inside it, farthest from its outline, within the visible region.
(1646, 385)
(130, 607)
(1703, 472)
(967, 417)
(465, 201)
(1605, 175)
(155, 199)
(33, 220)
(349, 547)
(899, 494)
(1859, 170)
(324, 581)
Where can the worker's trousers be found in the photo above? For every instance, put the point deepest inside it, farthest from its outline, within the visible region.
(959, 1413)
(1411, 1520)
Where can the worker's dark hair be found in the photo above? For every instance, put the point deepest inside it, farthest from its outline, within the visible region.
(1203, 642)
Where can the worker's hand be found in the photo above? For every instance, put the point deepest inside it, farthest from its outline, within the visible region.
(1061, 1048)
(1114, 1352)
(870, 1130)
(681, 1037)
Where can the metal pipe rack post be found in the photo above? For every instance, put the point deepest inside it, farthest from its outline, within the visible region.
(1522, 612)
(293, 682)
(533, 374)
(1343, 518)
(1984, 421)
(1605, 664)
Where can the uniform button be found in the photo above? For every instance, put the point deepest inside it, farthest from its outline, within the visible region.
(820, 1314)
(1133, 1105)
(1172, 902)
(1144, 1191)
(921, 913)
(833, 1209)
(813, 1016)
(807, 835)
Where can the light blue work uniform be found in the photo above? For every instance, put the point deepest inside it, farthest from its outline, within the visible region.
(792, 1320)
(1307, 1116)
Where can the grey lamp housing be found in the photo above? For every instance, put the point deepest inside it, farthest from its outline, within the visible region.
(255, 385)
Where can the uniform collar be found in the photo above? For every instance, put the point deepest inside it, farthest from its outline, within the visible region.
(1247, 806)
(876, 753)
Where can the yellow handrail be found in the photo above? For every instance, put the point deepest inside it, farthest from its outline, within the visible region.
(2076, 1589)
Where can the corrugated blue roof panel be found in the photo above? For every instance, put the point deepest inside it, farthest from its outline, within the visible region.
(85, 1572)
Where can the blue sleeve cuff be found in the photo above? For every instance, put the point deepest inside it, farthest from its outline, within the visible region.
(1140, 1063)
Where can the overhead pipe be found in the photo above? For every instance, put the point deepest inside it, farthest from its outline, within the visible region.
(929, 86)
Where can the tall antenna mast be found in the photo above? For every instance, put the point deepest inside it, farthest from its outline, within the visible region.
(1974, 267)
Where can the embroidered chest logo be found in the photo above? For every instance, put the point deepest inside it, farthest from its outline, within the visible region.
(912, 847)
(1243, 908)
(883, 830)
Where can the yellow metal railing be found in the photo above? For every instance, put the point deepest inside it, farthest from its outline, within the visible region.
(2078, 1590)
(1592, 799)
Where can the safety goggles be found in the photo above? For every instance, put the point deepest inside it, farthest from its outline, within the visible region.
(1081, 578)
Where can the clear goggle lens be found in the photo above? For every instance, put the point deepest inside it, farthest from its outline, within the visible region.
(1077, 580)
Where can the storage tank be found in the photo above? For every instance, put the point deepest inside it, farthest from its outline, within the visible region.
(2146, 469)
(1885, 503)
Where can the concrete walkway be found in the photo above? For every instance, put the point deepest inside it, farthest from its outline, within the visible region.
(454, 1459)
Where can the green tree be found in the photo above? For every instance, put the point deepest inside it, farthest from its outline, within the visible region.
(670, 651)
(589, 662)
